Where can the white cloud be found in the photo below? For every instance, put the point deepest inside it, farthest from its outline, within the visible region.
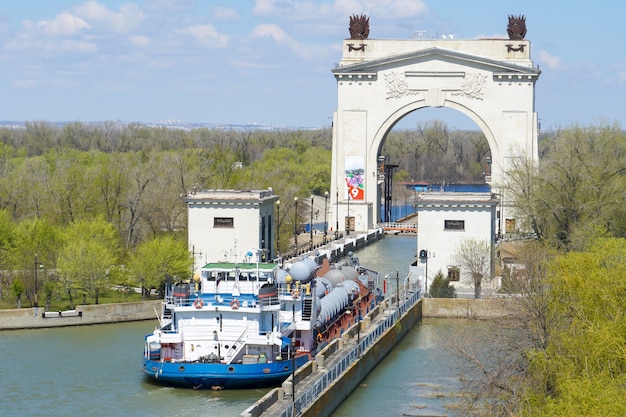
(24, 83)
(263, 7)
(622, 77)
(139, 40)
(271, 31)
(207, 36)
(382, 9)
(279, 36)
(64, 24)
(553, 62)
(225, 13)
(128, 18)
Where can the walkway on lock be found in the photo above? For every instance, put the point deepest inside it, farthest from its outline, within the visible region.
(348, 350)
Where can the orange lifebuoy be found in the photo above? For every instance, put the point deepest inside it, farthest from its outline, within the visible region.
(234, 304)
(198, 303)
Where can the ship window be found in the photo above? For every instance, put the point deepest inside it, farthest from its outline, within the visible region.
(231, 369)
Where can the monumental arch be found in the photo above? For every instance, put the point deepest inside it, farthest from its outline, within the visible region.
(492, 81)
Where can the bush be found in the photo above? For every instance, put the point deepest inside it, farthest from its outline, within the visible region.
(440, 287)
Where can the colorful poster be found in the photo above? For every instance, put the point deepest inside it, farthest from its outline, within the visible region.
(355, 180)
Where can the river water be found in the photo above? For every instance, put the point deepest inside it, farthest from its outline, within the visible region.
(95, 370)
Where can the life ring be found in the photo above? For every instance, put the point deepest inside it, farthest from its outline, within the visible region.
(295, 293)
(234, 304)
(319, 337)
(198, 303)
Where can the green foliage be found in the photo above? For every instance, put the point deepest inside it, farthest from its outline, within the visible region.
(583, 369)
(18, 287)
(162, 258)
(88, 252)
(440, 287)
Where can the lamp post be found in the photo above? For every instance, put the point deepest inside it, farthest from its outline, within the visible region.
(398, 288)
(311, 226)
(278, 227)
(337, 215)
(36, 286)
(325, 211)
(424, 258)
(295, 224)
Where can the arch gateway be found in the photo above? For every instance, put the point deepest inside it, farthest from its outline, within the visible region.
(492, 81)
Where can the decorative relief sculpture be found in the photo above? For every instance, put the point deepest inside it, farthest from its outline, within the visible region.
(517, 27)
(472, 86)
(397, 85)
(359, 27)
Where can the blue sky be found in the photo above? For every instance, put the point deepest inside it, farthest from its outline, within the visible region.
(269, 61)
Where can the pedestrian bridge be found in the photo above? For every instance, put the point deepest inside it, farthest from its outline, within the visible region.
(398, 227)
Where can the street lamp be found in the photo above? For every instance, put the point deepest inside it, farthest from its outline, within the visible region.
(424, 258)
(398, 288)
(311, 226)
(295, 224)
(36, 268)
(325, 211)
(278, 227)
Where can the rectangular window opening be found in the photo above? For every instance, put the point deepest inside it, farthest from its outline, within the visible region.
(454, 225)
(224, 222)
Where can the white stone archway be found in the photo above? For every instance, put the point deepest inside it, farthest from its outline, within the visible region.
(492, 81)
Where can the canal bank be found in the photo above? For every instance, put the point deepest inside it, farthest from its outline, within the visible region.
(36, 318)
(322, 385)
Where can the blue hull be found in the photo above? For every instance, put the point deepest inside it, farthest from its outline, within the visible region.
(221, 376)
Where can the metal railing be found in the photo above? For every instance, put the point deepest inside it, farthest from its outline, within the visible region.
(352, 355)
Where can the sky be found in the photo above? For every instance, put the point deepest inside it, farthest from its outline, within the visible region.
(269, 61)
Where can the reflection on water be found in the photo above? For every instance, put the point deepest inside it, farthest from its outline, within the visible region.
(417, 378)
(94, 370)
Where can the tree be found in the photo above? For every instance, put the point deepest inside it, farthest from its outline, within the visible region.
(160, 259)
(89, 251)
(440, 287)
(584, 365)
(577, 189)
(18, 288)
(475, 257)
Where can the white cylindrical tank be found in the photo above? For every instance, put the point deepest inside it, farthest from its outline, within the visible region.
(332, 304)
(335, 276)
(304, 270)
(322, 287)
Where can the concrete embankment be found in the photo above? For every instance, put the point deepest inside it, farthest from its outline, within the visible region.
(460, 308)
(32, 318)
(310, 380)
(325, 383)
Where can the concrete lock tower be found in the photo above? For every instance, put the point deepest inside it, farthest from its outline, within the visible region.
(492, 81)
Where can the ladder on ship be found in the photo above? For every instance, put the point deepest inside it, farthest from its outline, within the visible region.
(307, 308)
